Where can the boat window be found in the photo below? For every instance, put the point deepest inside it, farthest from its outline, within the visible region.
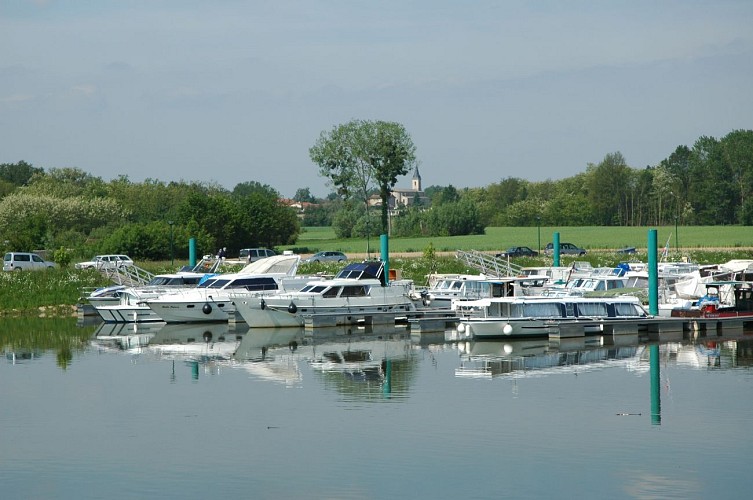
(256, 284)
(615, 284)
(540, 310)
(332, 292)
(316, 288)
(626, 309)
(457, 285)
(592, 309)
(207, 283)
(443, 285)
(219, 283)
(353, 291)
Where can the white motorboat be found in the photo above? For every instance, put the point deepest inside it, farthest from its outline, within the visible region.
(129, 302)
(359, 290)
(212, 301)
(530, 316)
(449, 288)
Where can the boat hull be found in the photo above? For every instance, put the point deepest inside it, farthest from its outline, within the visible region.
(276, 312)
(192, 312)
(127, 314)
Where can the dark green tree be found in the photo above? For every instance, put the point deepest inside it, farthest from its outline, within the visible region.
(18, 174)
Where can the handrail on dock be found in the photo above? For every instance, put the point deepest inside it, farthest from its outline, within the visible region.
(127, 275)
(494, 267)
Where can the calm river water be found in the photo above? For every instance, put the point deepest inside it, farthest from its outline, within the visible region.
(210, 412)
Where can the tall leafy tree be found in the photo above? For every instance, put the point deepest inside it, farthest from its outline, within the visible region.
(737, 150)
(361, 156)
(608, 185)
(712, 191)
(19, 173)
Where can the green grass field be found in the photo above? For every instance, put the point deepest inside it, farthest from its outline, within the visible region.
(498, 238)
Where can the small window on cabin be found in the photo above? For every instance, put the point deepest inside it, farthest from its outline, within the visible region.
(353, 291)
(332, 292)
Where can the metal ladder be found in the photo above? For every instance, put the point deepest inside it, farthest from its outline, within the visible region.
(489, 265)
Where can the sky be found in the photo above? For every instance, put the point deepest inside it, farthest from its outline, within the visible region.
(232, 91)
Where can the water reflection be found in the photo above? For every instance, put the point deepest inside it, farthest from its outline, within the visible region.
(26, 339)
(541, 357)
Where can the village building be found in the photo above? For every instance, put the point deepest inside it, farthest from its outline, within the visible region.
(400, 198)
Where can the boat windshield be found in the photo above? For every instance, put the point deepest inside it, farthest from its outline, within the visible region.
(218, 283)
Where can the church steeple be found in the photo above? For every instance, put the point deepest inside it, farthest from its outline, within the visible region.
(416, 182)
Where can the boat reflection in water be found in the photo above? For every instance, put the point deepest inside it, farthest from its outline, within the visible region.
(487, 359)
(353, 359)
(128, 337)
(351, 353)
(541, 357)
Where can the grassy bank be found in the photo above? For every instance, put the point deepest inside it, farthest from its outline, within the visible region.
(498, 238)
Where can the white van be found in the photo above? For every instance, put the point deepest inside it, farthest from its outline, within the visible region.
(25, 261)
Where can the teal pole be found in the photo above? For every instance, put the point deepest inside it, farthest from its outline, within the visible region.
(655, 385)
(192, 252)
(653, 274)
(387, 388)
(385, 248)
(556, 249)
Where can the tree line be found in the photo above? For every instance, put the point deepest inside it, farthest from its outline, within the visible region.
(710, 183)
(71, 209)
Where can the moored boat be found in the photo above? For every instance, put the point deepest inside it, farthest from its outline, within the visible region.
(531, 316)
(357, 291)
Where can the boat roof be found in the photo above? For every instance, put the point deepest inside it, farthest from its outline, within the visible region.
(276, 264)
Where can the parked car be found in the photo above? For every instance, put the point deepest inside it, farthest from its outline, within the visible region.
(25, 261)
(254, 254)
(565, 249)
(105, 262)
(513, 252)
(327, 257)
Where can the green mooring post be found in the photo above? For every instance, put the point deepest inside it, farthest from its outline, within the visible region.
(387, 367)
(385, 249)
(653, 273)
(653, 352)
(556, 249)
(192, 252)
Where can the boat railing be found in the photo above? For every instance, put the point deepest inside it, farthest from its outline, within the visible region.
(493, 267)
(127, 275)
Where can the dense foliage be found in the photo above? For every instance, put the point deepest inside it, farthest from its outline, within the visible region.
(68, 208)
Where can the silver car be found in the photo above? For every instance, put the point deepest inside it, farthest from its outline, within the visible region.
(327, 257)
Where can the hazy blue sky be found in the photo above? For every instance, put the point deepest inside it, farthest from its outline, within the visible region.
(233, 91)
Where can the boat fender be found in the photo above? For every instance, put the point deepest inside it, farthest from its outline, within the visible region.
(207, 336)
(262, 304)
(292, 308)
(206, 309)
